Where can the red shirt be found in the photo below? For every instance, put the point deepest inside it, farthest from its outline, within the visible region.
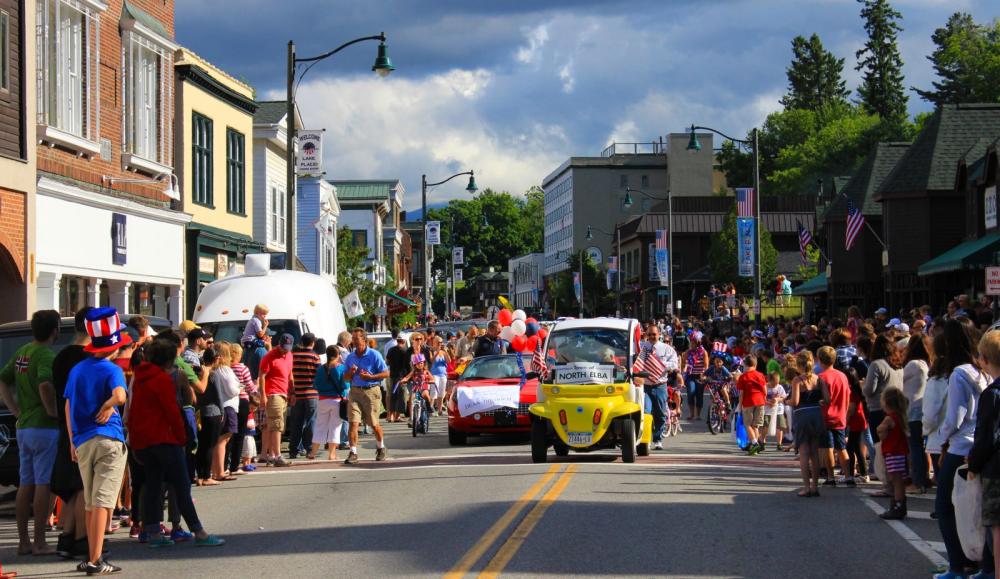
(858, 422)
(154, 416)
(753, 389)
(835, 413)
(896, 442)
(276, 366)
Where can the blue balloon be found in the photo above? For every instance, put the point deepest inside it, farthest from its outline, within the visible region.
(531, 328)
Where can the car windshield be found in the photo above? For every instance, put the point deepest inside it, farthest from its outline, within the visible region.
(233, 331)
(593, 345)
(492, 368)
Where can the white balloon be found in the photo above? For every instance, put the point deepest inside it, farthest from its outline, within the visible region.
(520, 315)
(519, 327)
(507, 333)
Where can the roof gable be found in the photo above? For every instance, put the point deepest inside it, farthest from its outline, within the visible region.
(929, 165)
(862, 186)
(270, 112)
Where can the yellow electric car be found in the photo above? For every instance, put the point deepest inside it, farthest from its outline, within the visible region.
(588, 398)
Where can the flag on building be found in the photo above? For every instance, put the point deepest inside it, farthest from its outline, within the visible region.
(855, 223)
(744, 202)
(805, 238)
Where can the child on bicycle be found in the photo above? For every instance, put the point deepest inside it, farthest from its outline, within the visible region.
(718, 378)
(419, 379)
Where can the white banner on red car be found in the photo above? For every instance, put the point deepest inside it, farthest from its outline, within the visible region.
(485, 398)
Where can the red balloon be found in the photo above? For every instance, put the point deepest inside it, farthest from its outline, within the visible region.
(505, 317)
(530, 320)
(542, 334)
(532, 343)
(519, 343)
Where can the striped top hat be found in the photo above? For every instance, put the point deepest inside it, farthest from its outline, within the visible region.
(105, 330)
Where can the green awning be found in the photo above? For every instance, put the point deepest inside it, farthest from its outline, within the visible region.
(410, 303)
(811, 287)
(975, 254)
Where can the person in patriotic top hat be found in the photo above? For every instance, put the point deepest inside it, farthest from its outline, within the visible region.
(94, 391)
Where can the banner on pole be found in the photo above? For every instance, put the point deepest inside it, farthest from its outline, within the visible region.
(612, 270)
(746, 240)
(458, 275)
(310, 159)
(662, 257)
(458, 256)
(352, 305)
(433, 232)
(577, 288)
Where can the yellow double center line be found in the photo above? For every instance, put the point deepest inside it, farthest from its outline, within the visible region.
(510, 547)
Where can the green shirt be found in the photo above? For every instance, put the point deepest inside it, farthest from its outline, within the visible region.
(30, 366)
(187, 369)
(774, 367)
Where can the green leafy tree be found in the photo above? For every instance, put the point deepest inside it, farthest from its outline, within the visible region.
(353, 271)
(810, 269)
(815, 76)
(722, 257)
(881, 91)
(597, 299)
(966, 59)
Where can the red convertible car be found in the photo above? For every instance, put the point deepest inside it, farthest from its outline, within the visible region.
(484, 395)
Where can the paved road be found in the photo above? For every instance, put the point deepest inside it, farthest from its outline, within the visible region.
(697, 509)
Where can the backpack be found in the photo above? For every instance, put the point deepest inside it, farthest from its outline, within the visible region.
(681, 342)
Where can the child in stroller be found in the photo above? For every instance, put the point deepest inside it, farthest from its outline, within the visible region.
(674, 386)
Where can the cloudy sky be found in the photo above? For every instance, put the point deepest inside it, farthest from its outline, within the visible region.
(511, 88)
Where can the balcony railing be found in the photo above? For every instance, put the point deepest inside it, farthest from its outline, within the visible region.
(652, 148)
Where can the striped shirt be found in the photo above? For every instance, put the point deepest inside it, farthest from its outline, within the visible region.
(245, 380)
(304, 364)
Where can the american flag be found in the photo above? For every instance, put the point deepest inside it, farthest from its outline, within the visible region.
(647, 361)
(855, 222)
(720, 347)
(805, 238)
(538, 359)
(744, 202)
(661, 239)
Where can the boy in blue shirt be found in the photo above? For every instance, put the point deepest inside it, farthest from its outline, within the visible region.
(94, 391)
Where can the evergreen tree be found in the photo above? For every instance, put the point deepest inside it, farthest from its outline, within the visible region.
(967, 60)
(881, 91)
(814, 76)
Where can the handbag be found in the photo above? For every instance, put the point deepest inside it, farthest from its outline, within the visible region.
(967, 496)
(344, 404)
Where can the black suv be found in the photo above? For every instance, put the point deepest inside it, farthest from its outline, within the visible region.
(13, 335)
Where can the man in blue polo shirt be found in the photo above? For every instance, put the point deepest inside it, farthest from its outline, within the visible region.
(365, 370)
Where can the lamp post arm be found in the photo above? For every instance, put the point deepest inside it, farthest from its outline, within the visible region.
(643, 193)
(450, 178)
(746, 142)
(314, 59)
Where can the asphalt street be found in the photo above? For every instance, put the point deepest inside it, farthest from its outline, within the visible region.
(697, 509)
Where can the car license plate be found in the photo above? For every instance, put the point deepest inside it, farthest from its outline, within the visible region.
(506, 417)
(580, 438)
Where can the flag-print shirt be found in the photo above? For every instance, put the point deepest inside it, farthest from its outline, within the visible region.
(697, 361)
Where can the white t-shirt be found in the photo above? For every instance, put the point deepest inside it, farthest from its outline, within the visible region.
(776, 392)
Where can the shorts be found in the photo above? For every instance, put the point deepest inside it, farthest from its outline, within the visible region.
(36, 449)
(991, 502)
(895, 463)
(754, 416)
(365, 405)
(782, 421)
(439, 386)
(836, 438)
(276, 407)
(102, 466)
(230, 423)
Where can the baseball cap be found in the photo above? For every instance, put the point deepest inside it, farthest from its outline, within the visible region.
(196, 333)
(286, 341)
(132, 333)
(881, 312)
(187, 325)
(902, 327)
(758, 334)
(894, 322)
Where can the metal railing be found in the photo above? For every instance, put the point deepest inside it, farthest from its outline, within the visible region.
(651, 148)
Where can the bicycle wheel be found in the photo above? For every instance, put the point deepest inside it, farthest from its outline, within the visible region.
(714, 419)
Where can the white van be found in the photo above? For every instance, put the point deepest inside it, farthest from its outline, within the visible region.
(299, 302)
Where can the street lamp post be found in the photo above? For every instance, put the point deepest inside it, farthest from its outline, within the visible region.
(383, 66)
(670, 236)
(754, 144)
(618, 253)
(471, 188)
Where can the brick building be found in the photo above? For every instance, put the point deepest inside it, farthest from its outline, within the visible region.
(107, 233)
(17, 159)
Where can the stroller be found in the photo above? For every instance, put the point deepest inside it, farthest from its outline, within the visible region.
(674, 404)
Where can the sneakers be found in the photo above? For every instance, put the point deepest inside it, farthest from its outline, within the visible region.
(830, 482)
(269, 461)
(849, 483)
(101, 567)
(657, 446)
(984, 574)
(896, 512)
(352, 458)
(381, 454)
(249, 468)
(754, 449)
(345, 446)
(210, 541)
(179, 535)
(278, 461)
(160, 541)
(863, 479)
(779, 448)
